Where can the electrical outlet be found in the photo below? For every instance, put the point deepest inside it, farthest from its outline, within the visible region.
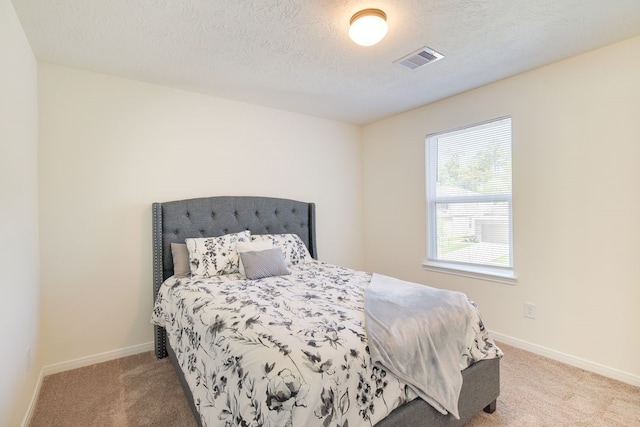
(529, 310)
(28, 358)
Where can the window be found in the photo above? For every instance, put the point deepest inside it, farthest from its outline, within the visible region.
(469, 219)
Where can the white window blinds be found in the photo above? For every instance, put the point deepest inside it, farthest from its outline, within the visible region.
(469, 198)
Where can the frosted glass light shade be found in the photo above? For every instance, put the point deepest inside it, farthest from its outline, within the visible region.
(368, 27)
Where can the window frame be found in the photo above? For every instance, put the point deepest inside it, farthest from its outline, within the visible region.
(480, 271)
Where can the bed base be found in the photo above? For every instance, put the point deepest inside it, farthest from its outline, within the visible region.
(480, 390)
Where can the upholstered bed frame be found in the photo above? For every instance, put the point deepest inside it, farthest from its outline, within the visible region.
(175, 221)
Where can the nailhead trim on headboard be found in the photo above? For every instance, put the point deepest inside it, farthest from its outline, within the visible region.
(160, 333)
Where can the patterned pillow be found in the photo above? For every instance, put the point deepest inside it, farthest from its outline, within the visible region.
(294, 250)
(215, 256)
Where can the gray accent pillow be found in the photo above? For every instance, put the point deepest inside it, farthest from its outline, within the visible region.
(267, 263)
(251, 247)
(181, 267)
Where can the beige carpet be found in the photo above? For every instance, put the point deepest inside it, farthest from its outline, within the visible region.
(536, 391)
(129, 392)
(142, 391)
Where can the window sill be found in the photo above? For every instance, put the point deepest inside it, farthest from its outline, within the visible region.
(482, 273)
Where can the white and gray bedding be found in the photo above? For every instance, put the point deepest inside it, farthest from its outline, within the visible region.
(289, 350)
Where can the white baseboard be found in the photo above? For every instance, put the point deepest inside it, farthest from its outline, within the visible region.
(34, 398)
(578, 362)
(80, 363)
(97, 358)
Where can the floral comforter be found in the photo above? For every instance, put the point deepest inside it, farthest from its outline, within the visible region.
(282, 351)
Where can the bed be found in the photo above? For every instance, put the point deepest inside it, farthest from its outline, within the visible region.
(176, 221)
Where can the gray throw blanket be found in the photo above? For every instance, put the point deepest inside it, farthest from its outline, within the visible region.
(420, 334)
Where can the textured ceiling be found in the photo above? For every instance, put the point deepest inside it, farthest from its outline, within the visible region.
(296, 55)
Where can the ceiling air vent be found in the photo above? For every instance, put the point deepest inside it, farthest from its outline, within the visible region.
(419, 58)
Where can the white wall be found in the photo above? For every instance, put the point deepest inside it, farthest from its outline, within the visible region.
(109, 147)
(576, 156)
(19, 304)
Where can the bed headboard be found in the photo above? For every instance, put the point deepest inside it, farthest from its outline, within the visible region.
(175, 221)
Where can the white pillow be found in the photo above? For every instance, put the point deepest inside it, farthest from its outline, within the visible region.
(215, 256)
(294, 250)
(243, 247)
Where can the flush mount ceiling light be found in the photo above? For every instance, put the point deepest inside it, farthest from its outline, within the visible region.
(368, 27)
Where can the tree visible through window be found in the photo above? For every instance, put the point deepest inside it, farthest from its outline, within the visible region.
(469, 198)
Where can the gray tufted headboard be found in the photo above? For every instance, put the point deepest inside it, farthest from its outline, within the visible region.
(173, 222)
